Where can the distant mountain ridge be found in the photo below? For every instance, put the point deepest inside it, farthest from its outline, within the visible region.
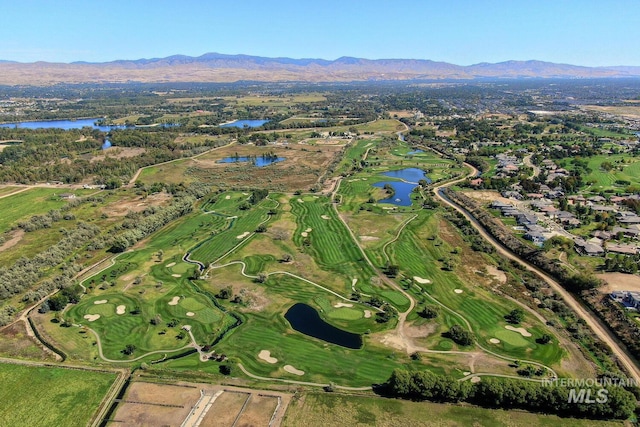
(217, 67)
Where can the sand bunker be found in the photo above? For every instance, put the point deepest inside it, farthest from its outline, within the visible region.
(301, 201)
(325, 217)
(388, 208)
(176, 275)
(308, 230)
(190, 313)
(342, 304)
(243, 235)
(494, 341)
(102, 301)
(174, 301)
(367, 314)
(171, 264)
(521, 331)
(92, 317)
(266, 356)
(293, 370)
(475, 380)
(227, 197)
(304, 234)
(457, 291)
(465, 373)
(121, 309)
(421, 280)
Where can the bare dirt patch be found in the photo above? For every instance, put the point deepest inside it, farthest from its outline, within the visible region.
(421, 331)
(498, 274)
(225, 409)
(16, 236)
(487, 196)
(266, 356)
(117, 153)
(258, 411)
(619, 282)
(368, 238)
(137, 204)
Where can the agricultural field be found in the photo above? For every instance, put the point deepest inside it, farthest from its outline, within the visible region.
(334, 409)
(31, 202)
(49, 396)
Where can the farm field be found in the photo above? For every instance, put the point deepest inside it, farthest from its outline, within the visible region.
(31, 202)
(48, 396)
(333, 409)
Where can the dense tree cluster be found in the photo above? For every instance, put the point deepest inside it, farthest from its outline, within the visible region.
(510, 393)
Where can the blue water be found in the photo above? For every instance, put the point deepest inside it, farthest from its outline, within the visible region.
(411, 153)
(259, 161)
(305, 319)
(106, 144)
(402, 189)
(242, 123)
(61, 124)
(410, 175)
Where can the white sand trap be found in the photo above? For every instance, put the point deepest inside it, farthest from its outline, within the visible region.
(301, 201)
(521, 331)
(309, 230)
(293, 370)
(92, 317)
(465, 373)
(325, 217)
(171, 264)
(353, 282)
(475, 379)
(245, 194)
(342, 304)
(174, 301)
(388, 208)
(190, 313)
(304, 234)
(458, 291)
(494, 341)
(266, 356)
(367, 314)
(243, 235)
(121, 309)
(227, 197)
(421, 280)
(102, 301)
(176, 275)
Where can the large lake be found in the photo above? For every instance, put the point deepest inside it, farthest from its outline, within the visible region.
(61, 124)
(305, 319)
(402, 189)
(242, 123)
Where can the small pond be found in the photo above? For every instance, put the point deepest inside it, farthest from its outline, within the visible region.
(411, 153)
(257, 161)
(305, 319)
(242, 123)
(402, 189)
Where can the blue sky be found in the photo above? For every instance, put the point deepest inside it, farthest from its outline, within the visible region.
(464, 32)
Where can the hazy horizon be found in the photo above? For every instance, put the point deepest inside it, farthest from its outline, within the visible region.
(464, 32)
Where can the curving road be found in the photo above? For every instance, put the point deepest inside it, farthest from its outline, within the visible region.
(596, 325)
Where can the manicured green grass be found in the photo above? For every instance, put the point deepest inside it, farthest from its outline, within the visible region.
(418, 256)
(328, 409)
(47, 396)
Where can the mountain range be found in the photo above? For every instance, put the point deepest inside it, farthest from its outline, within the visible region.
(215, 67)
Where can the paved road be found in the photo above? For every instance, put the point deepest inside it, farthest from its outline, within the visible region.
(596, 325)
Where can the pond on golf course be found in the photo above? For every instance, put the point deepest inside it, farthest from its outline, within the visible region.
(305, 319)
(402, 189)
